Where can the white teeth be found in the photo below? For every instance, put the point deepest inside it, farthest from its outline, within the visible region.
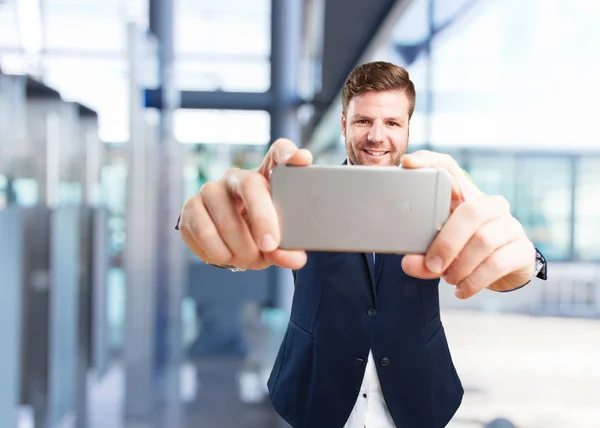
(376, 153)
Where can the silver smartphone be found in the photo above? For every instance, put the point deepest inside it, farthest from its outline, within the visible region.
(360, 208)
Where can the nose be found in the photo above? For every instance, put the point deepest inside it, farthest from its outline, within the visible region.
(377, 132)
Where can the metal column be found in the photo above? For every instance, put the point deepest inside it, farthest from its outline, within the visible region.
(93, 253)
(11, 267)
(140, 299)
(286, 53)
(12, 109)
(171, 258)
(51, 286)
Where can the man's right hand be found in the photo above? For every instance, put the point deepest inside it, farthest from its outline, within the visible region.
(233, 221)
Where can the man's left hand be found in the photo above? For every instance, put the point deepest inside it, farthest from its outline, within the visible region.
(481, 245)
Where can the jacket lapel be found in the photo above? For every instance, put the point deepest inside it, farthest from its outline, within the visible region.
(379, 260)
(370, 264)
(375, 268)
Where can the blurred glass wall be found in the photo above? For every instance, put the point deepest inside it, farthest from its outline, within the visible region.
(509, 88)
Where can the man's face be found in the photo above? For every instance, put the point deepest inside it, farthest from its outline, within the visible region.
(376, 128)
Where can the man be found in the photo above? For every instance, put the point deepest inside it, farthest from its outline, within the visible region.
(365, 346)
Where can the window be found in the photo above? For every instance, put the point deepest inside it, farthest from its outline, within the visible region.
(420, 132)
(9, 35)
(71, 76)
(494, 175)
(222, 126)
(223, 45)
(413, 26)
(587, 210)
(223, 32)
(543, 203)
(233, 73)
(84, 29)
(3, 192)
(26, 192)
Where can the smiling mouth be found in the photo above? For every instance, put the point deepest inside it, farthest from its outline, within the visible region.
(376, 154)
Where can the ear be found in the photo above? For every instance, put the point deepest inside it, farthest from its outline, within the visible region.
(343, 123)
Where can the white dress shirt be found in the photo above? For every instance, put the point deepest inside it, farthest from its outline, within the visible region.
(370, 410)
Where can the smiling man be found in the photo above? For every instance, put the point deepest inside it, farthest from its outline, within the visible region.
(365, 345)
(377, 104)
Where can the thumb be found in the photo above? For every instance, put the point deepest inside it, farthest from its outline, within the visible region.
(414, 265)
(463, 187)
(284, 152)
(412, 161)
(426, 159)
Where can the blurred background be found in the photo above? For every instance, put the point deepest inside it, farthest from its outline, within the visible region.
(113, 112)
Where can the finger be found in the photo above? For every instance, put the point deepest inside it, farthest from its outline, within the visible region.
(426, 159)
(282, 258)
(200, 233)
(255, 193)
(414, 265)
(231, 226)
(190, 241)
(496, 266)
(301, 158)
(284, 152)
(486, 240)
(459, 229)
(462, 187)
(287, 259)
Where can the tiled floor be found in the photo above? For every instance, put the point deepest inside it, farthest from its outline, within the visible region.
(534, 372)
(217, 403)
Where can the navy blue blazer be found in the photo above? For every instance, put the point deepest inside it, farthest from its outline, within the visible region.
(344, 306)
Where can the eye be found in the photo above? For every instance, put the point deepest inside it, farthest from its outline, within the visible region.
(393, 124)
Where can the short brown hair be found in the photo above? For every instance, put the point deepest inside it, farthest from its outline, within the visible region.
(378, 76)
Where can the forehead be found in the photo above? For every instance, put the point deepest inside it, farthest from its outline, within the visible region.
(388, 103)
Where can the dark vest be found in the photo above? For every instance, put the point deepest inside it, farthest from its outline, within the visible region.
(343, 306)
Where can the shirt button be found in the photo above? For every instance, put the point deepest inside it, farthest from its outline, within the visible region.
(372, 313)
(384, 361)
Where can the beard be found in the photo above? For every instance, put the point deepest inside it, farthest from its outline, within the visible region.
(359, 157)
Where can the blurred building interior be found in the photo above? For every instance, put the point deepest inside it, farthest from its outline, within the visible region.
(113, 113)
